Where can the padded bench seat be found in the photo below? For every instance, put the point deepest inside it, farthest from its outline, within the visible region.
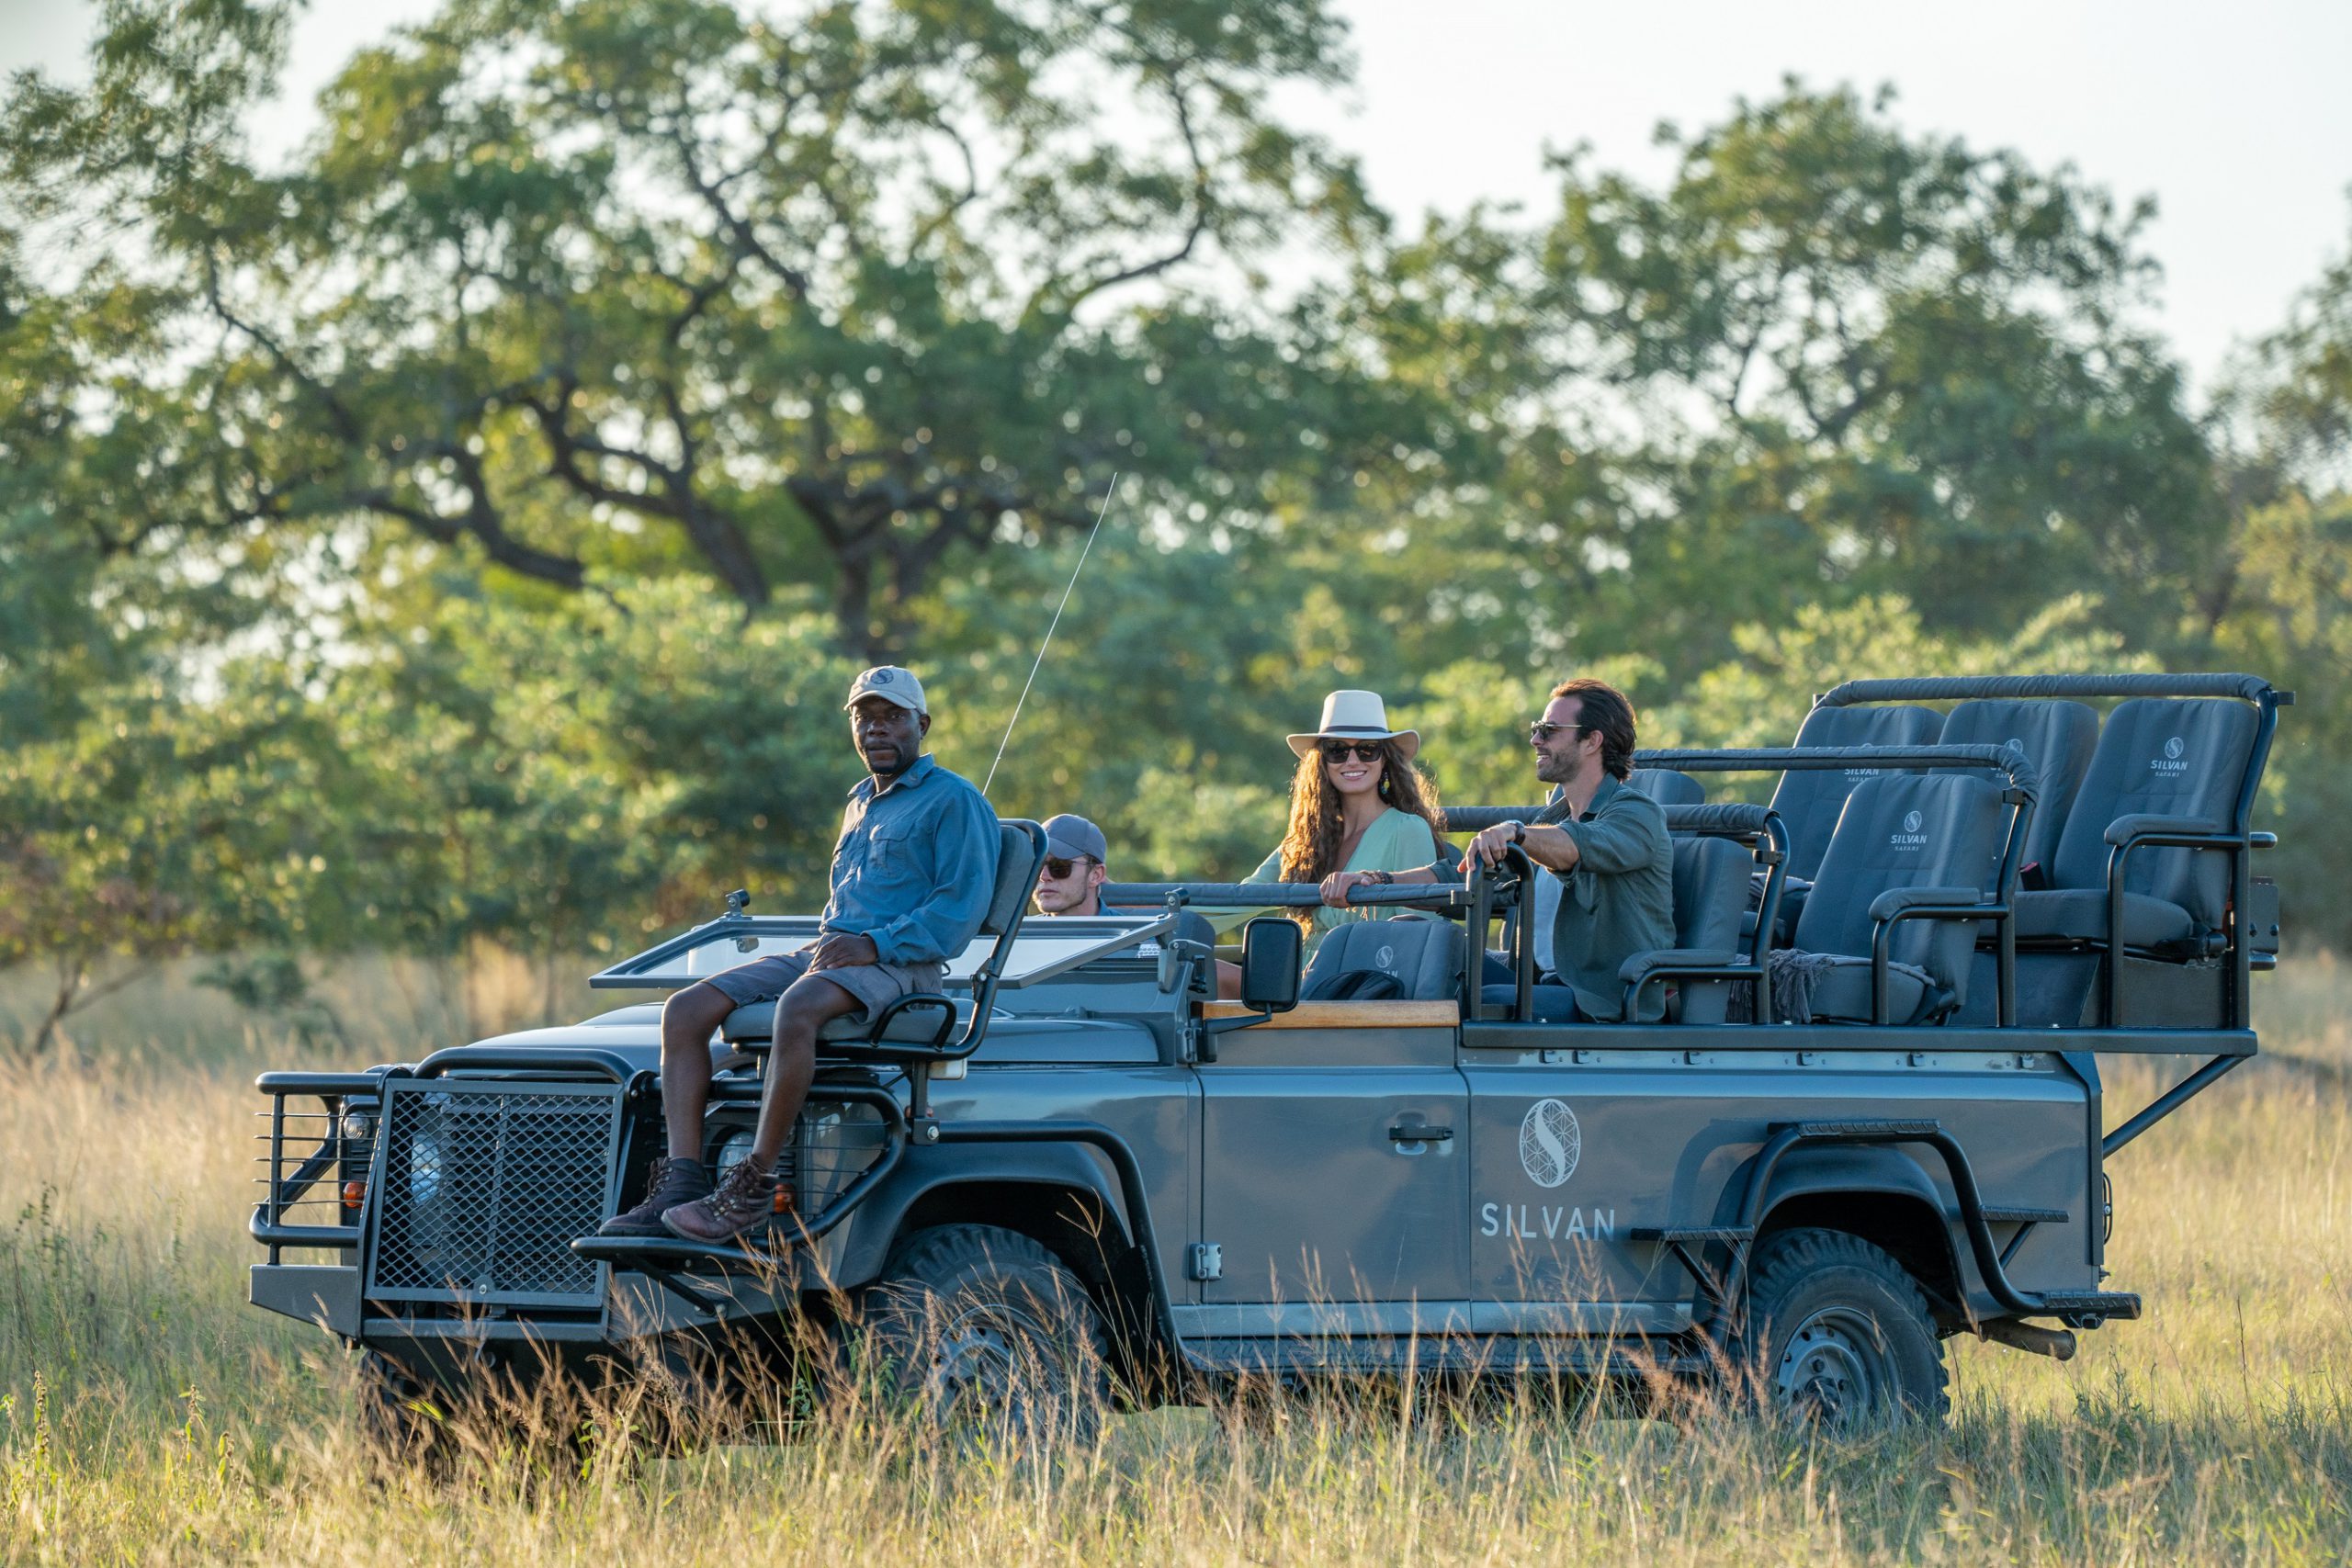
(911, 1026)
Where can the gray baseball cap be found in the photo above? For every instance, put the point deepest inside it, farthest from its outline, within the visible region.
(891, 684)
(1069, 837)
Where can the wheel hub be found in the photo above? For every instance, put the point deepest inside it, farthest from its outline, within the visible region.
(1834, 1371)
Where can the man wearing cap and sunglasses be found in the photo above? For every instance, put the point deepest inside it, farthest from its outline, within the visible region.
(1071, 878)
(913, 871)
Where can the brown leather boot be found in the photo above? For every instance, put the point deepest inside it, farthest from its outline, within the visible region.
(747, 1199)
(669, 1183)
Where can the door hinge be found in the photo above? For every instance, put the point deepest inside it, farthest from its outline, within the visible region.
(1206, 1260)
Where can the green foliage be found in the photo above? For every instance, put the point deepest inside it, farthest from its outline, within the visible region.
(462, 533)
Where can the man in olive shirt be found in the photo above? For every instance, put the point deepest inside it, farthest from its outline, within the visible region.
(1606, 842)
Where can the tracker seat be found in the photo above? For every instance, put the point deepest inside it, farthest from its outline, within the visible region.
(1902, 840)
(2058, 735)
(2167, 765)
(928, 1022)
(1421, 958)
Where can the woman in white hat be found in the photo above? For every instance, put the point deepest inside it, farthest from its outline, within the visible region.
(1357, 804)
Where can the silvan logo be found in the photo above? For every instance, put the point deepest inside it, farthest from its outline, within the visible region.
(1385, 959)
(1910, 838)
(2170, 763)
(1550, 1143)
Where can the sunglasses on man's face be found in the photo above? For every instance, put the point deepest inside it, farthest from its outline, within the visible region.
(1058, 868)
(1340, 751)
(1540, 732)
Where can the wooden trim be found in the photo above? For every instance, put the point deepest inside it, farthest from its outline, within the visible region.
(1349, 1015)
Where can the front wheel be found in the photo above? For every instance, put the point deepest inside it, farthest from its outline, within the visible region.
(987, 1332)
(1839, 1336)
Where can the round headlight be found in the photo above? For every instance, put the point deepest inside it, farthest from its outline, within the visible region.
(732, 1152)
(357, 1126)
(423, 1169)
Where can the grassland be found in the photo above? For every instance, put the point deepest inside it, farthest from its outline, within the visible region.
(147, 1415)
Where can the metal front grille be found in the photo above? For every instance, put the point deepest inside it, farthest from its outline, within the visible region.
(483, 1186)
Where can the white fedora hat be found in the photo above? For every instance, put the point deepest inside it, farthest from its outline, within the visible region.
(1357, 715)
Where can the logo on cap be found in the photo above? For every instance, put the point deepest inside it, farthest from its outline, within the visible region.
(878, 678)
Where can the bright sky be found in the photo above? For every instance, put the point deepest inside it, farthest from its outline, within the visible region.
(2236, 120)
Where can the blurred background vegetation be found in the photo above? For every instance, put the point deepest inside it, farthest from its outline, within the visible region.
(455, 540)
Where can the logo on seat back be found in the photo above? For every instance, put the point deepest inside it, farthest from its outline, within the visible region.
(1385, 959)
(2170, 763)
(1550, 1143)
(1910, 838)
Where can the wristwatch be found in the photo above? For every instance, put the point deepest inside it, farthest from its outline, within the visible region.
(1380, 878)
(1519, 832)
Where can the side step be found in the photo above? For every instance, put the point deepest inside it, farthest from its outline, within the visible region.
(2089, 1309)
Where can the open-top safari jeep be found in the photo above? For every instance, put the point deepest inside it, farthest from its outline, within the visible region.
(1074, 1182)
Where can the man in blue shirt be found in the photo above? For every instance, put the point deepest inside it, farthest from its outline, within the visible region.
(913, 872)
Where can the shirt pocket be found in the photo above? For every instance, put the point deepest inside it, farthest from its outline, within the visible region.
(892, 852)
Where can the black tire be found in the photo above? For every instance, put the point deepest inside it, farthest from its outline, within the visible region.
(405, 1423)
(1838, 1335)
(986, 1333)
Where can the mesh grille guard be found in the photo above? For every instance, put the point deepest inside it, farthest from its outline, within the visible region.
(482, 1187)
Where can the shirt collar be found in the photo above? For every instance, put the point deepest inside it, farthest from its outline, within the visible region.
(1608, 787)
(923, 766)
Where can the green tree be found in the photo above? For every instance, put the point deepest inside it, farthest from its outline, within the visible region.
(830, 296)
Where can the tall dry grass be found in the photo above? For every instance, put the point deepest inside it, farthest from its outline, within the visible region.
(147, 1415)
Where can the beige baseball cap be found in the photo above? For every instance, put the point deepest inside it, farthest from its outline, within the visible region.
(892, 683)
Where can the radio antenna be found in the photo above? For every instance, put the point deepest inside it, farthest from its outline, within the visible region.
(1112, 490)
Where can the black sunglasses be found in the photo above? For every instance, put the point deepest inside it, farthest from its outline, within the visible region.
(1058, 868)
(1340, 751)
(1539, 732)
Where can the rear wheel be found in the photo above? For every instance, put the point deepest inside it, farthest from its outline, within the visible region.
(1839, 1336)
(987, 1332)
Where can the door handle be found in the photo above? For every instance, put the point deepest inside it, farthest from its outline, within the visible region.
(1419, 1134)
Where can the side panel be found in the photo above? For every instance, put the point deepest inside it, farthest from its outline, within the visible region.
(1311, 1199)
(1571, 1157)
(1154, 1109)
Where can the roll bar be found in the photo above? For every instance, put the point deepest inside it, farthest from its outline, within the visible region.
(2134, 683)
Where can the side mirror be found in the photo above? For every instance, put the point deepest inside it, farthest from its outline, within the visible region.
(1271, 945)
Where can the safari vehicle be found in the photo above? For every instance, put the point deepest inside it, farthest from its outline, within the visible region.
(1076, 1163)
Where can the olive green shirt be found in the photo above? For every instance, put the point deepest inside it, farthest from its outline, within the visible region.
(1617, 901)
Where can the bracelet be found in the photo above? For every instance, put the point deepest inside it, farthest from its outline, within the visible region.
(1380, 878)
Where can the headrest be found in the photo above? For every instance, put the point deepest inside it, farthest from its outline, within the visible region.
(1019, 846)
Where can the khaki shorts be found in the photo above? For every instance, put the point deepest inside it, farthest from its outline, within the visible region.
(877, 986)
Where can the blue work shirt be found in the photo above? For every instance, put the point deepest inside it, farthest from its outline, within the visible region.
(915, 866)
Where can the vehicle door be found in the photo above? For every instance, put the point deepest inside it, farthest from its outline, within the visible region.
(1334, 1171)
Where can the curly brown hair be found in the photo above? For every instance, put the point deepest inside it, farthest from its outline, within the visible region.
(1310, 849)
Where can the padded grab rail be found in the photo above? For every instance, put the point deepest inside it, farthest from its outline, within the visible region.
(1954, 688)
(1279, 895)
(1730, 818)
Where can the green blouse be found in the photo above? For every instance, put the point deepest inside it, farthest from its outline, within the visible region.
(1396, 841)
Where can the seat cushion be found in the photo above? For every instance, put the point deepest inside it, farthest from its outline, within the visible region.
(910, 1026)
(1424, 955)
(2080, 913)
(1809, 800)
(2058, 737)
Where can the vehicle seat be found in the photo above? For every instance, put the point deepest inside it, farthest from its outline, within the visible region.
(1423, 956)
(1809, 800)
(913, 1021)
(1709, 896)
(1668, 787)
(2158, 756)
(1897, 831)
(2059, 736)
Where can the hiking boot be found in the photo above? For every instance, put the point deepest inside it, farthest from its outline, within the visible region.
(669, 1183)
(747, 1199)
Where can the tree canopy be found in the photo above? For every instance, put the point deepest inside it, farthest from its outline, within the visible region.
(461, 529)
